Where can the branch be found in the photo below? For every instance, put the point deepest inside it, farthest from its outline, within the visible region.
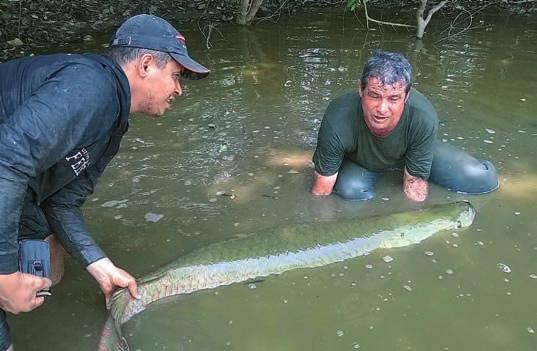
(452, 25)
(391, 23)
(254, 6)
(434, 10)
(470, 17)
(382, 22)
(274, 13)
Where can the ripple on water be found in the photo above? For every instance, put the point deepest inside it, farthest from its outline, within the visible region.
(115, 204)
(504, 268)
(153, 217)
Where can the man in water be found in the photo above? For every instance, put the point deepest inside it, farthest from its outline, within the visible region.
(389, 125)
(62, 118)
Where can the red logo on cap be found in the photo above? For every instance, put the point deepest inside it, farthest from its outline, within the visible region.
(180, 38)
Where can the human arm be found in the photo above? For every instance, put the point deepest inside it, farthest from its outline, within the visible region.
(419, 155)
(415, 188)
(63, 212)
(323, 185)
(65, 218)
(327, 158)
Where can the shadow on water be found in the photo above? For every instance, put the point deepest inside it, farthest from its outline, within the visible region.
(233, 156)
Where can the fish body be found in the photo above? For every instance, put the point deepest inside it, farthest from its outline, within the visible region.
(275, 251)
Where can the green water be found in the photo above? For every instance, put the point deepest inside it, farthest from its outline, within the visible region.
(249, 130)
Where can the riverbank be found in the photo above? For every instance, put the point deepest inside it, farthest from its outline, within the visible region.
(25, 26)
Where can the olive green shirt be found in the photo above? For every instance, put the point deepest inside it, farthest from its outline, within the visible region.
(344, 134)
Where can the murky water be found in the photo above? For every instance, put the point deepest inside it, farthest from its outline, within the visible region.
(249, 131)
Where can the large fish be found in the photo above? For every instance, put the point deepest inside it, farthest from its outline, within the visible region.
(276, 251)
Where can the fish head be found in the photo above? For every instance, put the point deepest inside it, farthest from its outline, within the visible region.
(466, 215)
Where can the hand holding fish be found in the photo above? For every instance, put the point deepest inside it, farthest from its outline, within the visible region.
(415, 188)
(109, 277)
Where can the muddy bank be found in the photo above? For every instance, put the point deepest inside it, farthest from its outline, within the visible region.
(25, 26)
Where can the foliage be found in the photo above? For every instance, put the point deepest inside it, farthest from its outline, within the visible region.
(354, 4)
(28, 25)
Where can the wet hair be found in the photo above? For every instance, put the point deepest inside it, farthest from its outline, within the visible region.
(125, 54)
(388, 67)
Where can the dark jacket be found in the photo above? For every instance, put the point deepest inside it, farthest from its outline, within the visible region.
(62, 118)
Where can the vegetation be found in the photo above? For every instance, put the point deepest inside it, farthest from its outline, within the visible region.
(423, 18)
(26, 25)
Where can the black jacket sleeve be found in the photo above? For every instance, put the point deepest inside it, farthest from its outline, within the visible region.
(65, 218)
(63, 113)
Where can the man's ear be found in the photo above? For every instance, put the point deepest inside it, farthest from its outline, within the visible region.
(407, 96)
(360, 91)
(145, 65)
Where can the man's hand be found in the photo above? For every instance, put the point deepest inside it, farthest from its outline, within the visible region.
(18, 291)
(415, 188)
(322, 185)
(109, 277)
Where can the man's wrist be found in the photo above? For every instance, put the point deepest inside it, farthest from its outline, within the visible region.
(323, 185)
(99, 268)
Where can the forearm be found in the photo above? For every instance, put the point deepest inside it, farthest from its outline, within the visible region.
(68, 224)
(10, 209)
(323, 185)
(415, 188)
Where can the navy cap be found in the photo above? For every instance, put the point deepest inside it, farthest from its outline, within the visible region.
(154, 33)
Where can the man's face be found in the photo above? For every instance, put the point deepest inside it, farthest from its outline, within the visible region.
(161, 87)
(383, 105)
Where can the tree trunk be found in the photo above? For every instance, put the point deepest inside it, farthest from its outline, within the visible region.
(247, 11)
(423, 22)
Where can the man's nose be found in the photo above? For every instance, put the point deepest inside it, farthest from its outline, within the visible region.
(383, 107)
(178, 88)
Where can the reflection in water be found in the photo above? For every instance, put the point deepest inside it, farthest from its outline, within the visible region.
(521, 188)
(249, 131)
(298, 159)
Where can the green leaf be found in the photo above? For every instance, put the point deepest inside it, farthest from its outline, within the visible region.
(353, 4)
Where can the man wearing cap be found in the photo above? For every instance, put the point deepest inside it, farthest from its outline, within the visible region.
(62, 118)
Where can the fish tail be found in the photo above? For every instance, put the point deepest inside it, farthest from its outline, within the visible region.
(110, 340)
(111, 336)
(118, 304)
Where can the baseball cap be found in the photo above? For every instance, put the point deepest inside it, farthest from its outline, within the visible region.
(154, 33)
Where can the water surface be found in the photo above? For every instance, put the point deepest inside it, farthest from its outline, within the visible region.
(232, 156)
